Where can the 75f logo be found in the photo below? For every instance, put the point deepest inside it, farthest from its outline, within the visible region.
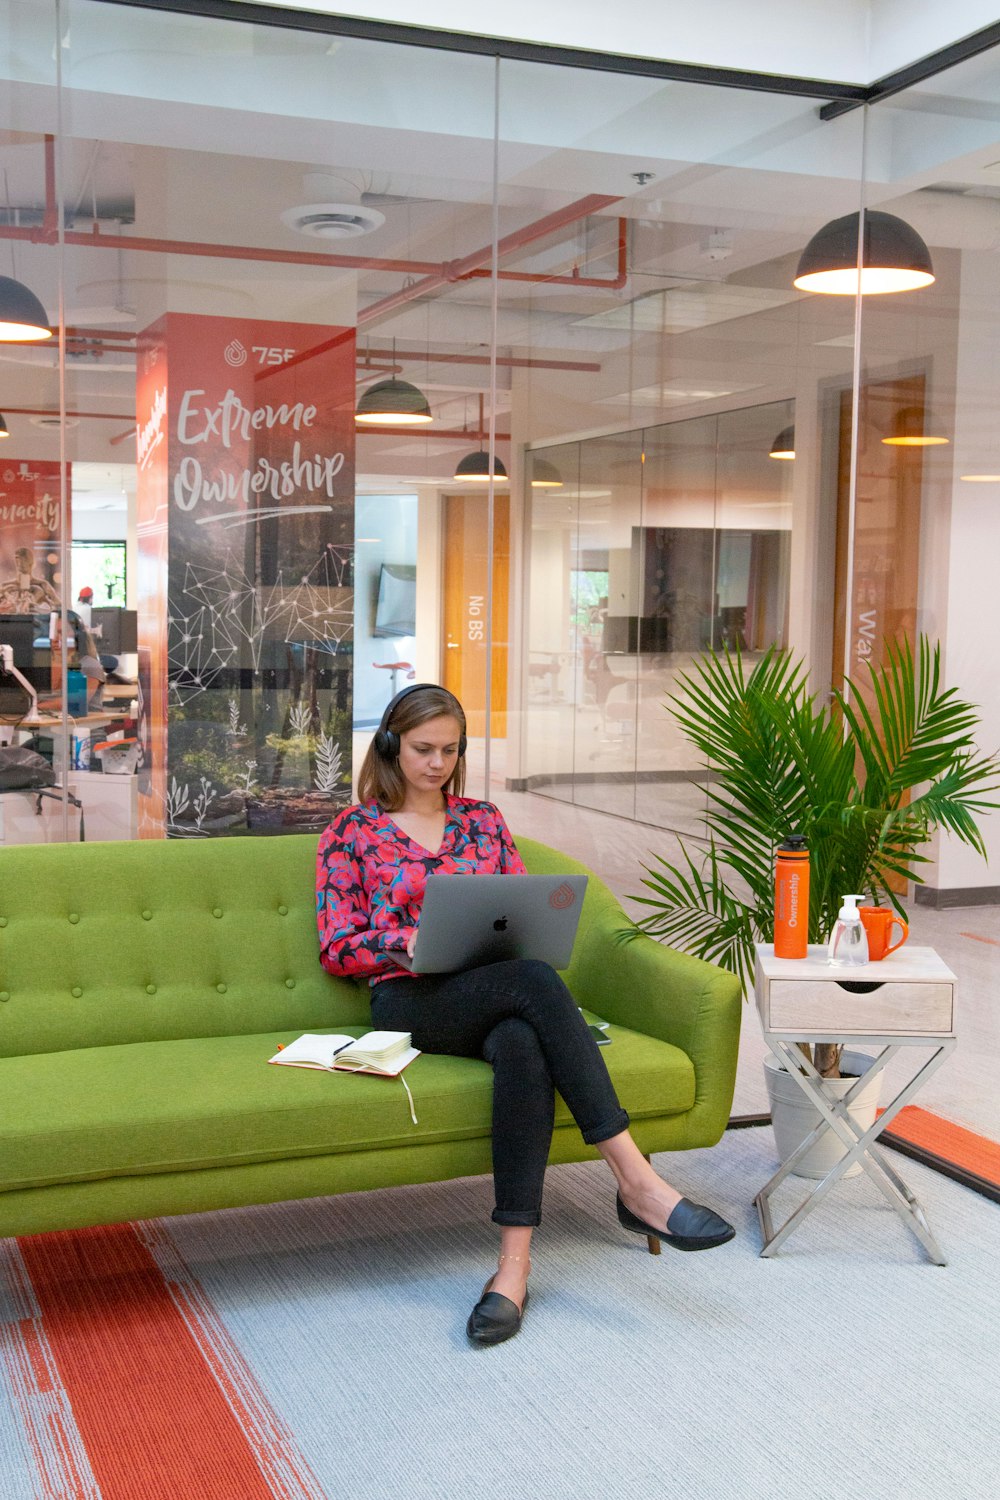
(268, 356)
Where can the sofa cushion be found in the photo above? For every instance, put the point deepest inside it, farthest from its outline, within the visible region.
(167, 1106)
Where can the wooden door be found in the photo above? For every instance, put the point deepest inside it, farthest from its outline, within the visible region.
(465, 626)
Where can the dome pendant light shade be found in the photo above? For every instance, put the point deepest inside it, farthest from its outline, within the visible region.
(393, 403)
(476, 467)
(545, 476)
(784, 444)
(3, 427)
(894, 258)
(913, 428)
(22, 317)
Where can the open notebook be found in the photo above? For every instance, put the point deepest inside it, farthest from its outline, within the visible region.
(386, 1053)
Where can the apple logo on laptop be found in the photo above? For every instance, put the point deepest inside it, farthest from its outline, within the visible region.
(500, 925)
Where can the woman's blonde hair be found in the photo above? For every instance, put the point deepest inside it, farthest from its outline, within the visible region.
(380, 779)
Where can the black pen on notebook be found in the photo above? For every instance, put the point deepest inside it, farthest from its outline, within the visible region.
(338, 1050)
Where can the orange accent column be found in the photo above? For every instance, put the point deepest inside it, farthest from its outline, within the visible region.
(464, 614)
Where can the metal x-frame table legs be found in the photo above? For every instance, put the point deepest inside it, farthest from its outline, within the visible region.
(861, 1144)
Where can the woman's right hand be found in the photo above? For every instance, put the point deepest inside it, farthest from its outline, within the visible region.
(411, 943)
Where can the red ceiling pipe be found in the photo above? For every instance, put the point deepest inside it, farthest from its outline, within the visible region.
(436, 274)
(46, 411)
(96, 240)
(468, 434)
(503, 361)
(613, 284)
(455, 270)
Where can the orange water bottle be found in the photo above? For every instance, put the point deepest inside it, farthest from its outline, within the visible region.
(791, 898)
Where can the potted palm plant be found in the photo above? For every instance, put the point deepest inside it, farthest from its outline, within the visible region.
(867, 777)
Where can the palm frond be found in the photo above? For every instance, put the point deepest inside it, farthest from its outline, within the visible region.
(867, 779)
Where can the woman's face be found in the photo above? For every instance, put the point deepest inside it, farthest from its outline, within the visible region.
(428, 753)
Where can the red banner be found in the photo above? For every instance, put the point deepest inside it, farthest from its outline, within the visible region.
(30, 578)
(246, 514)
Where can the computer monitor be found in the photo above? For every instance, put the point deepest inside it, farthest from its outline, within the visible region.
(118, 630)
(19, 632)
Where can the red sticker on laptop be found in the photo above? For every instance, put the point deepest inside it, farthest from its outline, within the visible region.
(562, 896)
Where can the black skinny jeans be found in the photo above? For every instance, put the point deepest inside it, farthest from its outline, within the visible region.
(522, 1019)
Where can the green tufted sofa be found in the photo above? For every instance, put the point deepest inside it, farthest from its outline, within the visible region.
(143, 987)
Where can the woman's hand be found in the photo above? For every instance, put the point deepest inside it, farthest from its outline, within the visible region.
(411, 942)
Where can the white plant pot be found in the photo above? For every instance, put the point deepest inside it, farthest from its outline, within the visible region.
(794, 1116)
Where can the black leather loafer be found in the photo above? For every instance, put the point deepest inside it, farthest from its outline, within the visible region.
(691, 1226)
(495, 1318)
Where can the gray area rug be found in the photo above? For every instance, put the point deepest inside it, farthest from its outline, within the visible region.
(848, 1364)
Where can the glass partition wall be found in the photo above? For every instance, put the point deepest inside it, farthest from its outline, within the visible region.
(693, 507)
(386, 364)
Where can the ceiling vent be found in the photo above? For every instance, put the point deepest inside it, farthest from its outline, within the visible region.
(339, 215)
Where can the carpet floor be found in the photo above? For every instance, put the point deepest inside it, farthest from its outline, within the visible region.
(317, 1349)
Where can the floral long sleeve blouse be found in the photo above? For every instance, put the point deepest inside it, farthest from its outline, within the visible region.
(370, 880)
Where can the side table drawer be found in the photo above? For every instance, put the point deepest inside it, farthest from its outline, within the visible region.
(822, 1006)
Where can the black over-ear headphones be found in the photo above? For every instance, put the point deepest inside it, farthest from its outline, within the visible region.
(387, 740)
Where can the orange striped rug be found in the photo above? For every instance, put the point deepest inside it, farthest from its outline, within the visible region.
(127, 1384)
(954, 1145)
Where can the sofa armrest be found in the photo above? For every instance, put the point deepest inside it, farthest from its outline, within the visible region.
(631, 980)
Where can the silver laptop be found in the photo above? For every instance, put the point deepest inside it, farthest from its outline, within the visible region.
(481, 919)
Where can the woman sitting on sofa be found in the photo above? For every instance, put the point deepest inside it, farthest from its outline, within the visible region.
(374, 859)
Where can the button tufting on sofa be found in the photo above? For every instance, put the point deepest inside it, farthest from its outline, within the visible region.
(3, 921)
(289, 984)
(76, 992)
(147, 915)
(216, 911)
(221, 989)
(151, 989)
(74, 917)
(283, 911)
(4, 995)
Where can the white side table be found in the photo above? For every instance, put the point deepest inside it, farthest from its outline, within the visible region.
(803, 1000)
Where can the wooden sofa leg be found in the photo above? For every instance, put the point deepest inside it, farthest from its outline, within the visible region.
(651, 1239)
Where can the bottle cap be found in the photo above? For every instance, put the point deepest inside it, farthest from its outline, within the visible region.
(794, 843)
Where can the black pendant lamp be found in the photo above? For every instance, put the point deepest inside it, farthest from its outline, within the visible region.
(393, 403)
(912, 427)
(23, 319)
(545, 476)
(893, 257)
(3, 427)
(476, 467)
(784, 444)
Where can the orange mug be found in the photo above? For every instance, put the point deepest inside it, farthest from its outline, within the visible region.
(878, 922)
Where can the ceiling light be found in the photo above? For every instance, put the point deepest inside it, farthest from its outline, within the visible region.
(894, 258)
(333, 221)
(912, 428)
(545, 476)
(22, 316)
(3, 427)
(53, 421)
(981, 478)
(475, 467)
(393, 403)
(339, 215)
(784, 444)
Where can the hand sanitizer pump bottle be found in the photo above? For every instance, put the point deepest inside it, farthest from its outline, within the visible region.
(849, 941)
